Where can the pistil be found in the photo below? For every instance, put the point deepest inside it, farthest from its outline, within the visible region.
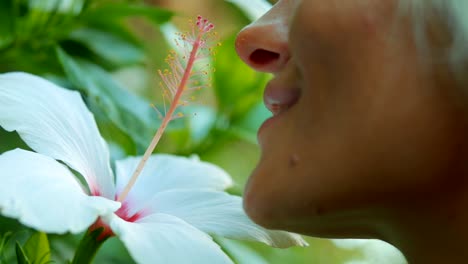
(197, 40)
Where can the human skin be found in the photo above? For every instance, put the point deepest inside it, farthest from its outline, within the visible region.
(369, 138)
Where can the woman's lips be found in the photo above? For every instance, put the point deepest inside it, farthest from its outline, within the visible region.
(278, 99)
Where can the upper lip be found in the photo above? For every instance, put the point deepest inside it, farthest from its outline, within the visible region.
(279, 97)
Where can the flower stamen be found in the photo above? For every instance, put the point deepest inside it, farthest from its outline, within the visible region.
(175, 83)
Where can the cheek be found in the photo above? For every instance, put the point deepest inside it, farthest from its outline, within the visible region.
(336, 160)
(338, 23)
(371, 128)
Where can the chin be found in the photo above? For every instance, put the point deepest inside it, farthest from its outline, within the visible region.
(282, 209)
(259, 207)
(334, 225)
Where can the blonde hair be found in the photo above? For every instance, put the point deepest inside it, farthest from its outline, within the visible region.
(454, 16)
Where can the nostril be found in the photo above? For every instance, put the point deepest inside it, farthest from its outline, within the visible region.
(262, 57)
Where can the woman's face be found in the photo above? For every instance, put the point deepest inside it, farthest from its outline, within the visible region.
(363, 133)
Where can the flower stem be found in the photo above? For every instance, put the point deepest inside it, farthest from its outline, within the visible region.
(167, 118)
(89, 246)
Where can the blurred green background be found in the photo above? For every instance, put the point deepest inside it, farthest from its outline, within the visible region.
(109, 50)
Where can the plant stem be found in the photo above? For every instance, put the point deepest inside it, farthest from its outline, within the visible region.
(88, 247)
(166, 120)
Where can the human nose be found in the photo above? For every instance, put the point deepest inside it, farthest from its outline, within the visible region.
(263, 45)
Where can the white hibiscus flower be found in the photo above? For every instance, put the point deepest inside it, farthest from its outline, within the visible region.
(167, 216)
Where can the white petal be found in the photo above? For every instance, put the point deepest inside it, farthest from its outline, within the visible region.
(55, 122)
(161, 239)
(219, 213)
(166, 172)
(43, 194)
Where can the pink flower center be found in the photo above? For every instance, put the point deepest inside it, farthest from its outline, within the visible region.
(123, 213)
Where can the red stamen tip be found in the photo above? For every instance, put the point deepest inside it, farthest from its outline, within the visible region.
(203, 24)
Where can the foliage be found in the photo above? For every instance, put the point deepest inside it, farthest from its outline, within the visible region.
(36, 250)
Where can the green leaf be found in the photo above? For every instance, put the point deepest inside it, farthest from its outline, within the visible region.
(239, 252)
(109, 46)
(238, 88)
(124, 10)
(120, 143)
(10, 140)
(6, 23)
(4, 238)
(37, 248)
(21, 255)
(73, 7)
(128, 112)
